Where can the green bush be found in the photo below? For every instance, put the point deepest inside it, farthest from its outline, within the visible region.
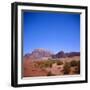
(73, 63)
(66, 68)
(46, 64)
(78, 66)
(59, 62)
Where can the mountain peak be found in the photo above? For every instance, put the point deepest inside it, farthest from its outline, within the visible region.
(40, 53)
(39, 49)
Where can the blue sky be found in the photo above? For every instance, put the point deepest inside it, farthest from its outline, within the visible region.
(51, 31)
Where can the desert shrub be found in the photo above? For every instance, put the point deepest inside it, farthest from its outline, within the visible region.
(66, 68)
(52, 60)
(59, 62)
(36, 65)
(50, 74)
(78, 66)
(42, 65)
(48, 64)
(73, 63)
(45, 64)
(39, 63)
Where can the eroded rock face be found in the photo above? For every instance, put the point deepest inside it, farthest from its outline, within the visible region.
(39, 54)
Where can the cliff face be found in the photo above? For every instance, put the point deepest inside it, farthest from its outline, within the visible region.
(39, 53)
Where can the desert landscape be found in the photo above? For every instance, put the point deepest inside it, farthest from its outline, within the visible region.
(44, 63)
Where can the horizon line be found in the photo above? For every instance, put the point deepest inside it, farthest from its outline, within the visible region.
(51, 51)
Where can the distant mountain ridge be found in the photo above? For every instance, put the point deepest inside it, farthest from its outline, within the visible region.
(61, 54)
(41, 53)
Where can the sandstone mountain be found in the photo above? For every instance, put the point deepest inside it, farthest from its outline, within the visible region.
(38, 54)
(41, 53)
